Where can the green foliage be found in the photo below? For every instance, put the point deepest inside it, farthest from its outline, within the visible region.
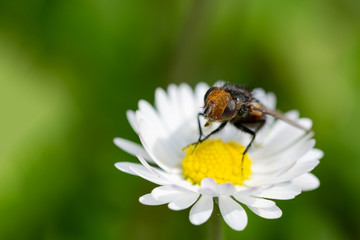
(70, 69)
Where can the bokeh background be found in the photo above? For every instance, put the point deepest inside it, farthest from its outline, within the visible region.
(70, 69)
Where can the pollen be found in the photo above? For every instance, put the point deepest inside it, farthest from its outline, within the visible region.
(218, 160)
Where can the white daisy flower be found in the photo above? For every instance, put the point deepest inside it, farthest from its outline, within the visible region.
(276, 166)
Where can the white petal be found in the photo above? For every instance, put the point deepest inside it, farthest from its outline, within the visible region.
(188, 106)
(132, 120)
(307, 182)
(166, 109)
(219, 83)
(313, 154)
(281, 191)
(146, 174)
(125, 167)
(271, 100)
(275, 131)
(149, 113)
(284, 158)
(148, 199)
(269, 213)
(157, 172)
(282, 136)
(200, 91)
(154, 175)
(153, 129)
(233, 213)
(226, 189)
(160, 148)
(176, 108)
(231, 133)
(132, 148)
(255, 202)
(202, 210)
(168, 193)
(154, 148)
(174, 97)
(156, 129)
(267, 99)
(178, 111)
(298, 170)
(259, 179)
(245, 191)
(287, 173)
(184, 201)
(209, 187)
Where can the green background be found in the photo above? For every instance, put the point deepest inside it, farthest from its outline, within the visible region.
(70, 69)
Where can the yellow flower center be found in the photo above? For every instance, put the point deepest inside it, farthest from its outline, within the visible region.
(218, 160)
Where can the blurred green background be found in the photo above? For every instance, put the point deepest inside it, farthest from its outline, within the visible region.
(70, 69)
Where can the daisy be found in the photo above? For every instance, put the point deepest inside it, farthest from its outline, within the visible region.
(276, 166)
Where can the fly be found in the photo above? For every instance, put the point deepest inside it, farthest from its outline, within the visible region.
(236, 105)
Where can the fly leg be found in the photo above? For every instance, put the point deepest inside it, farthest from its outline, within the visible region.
(199, 125)
(240, 126)
(249, 131)
(200, 140)
(222, 125)
(200, 132)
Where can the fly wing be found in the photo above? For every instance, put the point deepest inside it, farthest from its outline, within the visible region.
(280, 116)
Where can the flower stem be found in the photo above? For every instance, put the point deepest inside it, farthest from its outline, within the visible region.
(214, 225)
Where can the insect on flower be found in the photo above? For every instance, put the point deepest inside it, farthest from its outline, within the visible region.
(272, 169)
(236, 104)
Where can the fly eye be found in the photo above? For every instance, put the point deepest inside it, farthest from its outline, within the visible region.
(208, 92)
(229, 110)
